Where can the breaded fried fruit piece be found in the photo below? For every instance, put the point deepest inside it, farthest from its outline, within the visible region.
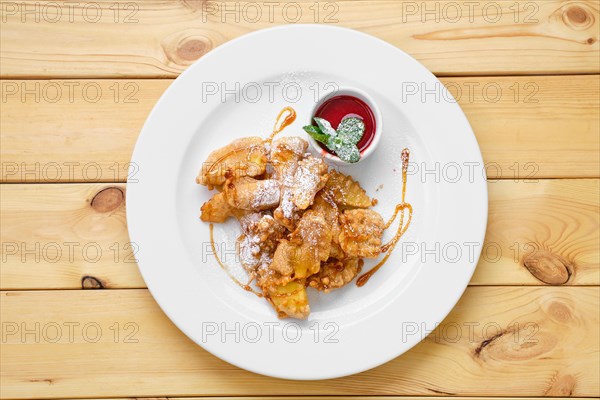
(309, 244)
(346, 192)
(335, 273)
(326, 207)
(361, 234)
(242, 157)
(260, 238)
(247, 193)
(289, 300)
(289, 149)
(309, 178)
(217, 209)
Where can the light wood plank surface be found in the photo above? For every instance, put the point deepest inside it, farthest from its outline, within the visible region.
(161, 38)
(338, 398)
(66, 236)
(79, 136)
(538, 127)
(541, 232)
(69, 235)
(548, 337)
(75, 93)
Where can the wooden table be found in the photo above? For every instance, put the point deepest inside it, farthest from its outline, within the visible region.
(78, 82)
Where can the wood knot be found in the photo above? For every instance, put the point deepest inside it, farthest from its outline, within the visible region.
(559, 312)
(548, 267)
(89, 282)
(516, 344)
(182, 49)
(108, 199)
(578, 17)
(192, 49)
(561, 386)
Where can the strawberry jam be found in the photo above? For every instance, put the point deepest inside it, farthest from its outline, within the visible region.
(337, 108)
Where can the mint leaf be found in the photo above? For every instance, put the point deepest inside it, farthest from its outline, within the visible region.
(316, 134)
(351, 130)
(325, 126)
(348, 153)
(334, 143)
(343, 142)
(312, 129)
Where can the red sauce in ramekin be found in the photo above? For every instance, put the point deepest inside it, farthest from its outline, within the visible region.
(337, 108)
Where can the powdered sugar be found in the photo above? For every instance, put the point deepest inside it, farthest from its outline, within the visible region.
(260, 237)
(266, 194)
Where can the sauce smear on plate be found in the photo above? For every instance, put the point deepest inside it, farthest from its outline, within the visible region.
(388, 248)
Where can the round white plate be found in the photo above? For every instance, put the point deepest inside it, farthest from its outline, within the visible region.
(237, 90)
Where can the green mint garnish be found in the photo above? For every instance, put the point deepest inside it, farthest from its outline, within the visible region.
(351, 130)
(343, 141)
(348, 153)
(334, 143)
(325, 126)
(316, 134)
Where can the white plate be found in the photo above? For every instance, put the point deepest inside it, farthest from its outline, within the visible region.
(352, 329)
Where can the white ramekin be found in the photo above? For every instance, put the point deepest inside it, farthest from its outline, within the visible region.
(378, 125)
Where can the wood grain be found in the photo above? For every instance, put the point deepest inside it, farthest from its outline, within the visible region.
(335, 398)
(161, 38)
(66, 236)
(545, 232)
(86, 134)
(549, 337)
(69, 236)
(527, 127)
(75, 96)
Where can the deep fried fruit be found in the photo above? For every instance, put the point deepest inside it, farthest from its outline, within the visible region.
(217, 209)
(267, 277)
(335, 273)
(302, 225)
(299, 187)
(324, 205)
(288, 150)
(287, 213)
(314, 233)
(346, 192)
(242, 157)
(285, 155)
(295, 260)
(309, 244)
(287, 257)
(309, 178)
(362, 231)
(289, 300)
(247, 193)
(337, 252)
(259, 239)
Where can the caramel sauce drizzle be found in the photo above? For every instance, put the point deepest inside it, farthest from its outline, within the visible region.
(285, 118)
(388, 248)
(226, 268)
